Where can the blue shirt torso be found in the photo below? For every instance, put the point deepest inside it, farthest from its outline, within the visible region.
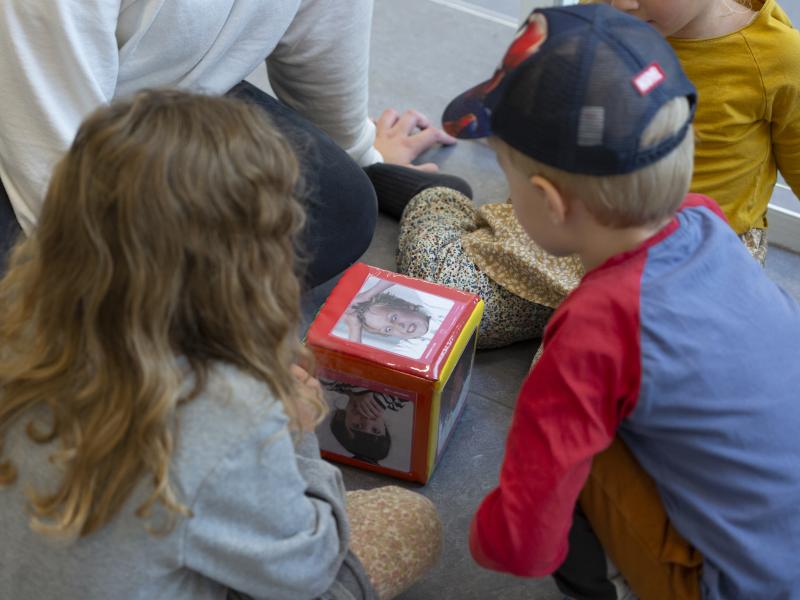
(717, 421)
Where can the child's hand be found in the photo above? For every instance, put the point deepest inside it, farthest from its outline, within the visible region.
(350, 314)
(309, 391)
(353, 325)
(367, 406)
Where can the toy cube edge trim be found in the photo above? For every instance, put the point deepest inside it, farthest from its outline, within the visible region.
(432, 364)
(469, 329)
(429, 364)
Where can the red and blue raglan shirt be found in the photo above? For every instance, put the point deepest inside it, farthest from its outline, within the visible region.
(685, 349)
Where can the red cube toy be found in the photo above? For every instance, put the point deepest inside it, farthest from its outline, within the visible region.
(394, 356)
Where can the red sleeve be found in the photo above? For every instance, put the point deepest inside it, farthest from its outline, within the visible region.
(568, 410)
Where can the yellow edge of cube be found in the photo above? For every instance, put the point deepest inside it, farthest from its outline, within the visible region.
(458, 348)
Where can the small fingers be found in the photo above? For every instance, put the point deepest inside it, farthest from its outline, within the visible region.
(426, 138)
(412, 120)
(426, 167)
(445, 138)
(367, 409)
(375, 408)
(299, 373)
(387, 119)
(309, 382)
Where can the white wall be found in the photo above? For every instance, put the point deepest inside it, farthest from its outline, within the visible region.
(792, 8)
(526, 6)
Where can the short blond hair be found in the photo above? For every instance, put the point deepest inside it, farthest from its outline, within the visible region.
(642, 197)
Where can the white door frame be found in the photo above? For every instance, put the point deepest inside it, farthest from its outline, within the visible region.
(784, 219)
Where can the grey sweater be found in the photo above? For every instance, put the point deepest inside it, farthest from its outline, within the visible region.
(62, 59)
(268, 518)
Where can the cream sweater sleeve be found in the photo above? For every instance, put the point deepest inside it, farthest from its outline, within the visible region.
(320, 69)
(58, 62)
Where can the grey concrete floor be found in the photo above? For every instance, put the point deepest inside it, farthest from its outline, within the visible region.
(424, 53)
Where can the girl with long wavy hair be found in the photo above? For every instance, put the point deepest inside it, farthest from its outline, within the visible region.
(156, 426)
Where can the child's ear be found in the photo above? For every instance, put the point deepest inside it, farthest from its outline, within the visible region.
(557, 206)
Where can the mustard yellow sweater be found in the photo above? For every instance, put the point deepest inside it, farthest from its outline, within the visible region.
(748, 114)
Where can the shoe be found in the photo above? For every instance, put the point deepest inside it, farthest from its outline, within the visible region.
(624, 591)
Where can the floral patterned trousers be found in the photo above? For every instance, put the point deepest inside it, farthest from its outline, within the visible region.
(430, 247)
(396, 534)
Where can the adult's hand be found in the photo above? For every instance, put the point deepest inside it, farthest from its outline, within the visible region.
(401, 138)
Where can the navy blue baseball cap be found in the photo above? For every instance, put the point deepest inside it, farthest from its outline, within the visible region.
(576, 89)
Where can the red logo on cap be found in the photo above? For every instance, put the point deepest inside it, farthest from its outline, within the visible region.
(649, 79)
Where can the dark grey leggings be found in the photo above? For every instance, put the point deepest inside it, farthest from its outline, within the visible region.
(582, 576)
(9, 228)
(341, 206)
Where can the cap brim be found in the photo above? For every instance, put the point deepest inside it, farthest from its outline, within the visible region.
(468, 116)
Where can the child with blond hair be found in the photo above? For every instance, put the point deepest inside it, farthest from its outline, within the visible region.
(648, 401)
(156, 412)
(744, 59)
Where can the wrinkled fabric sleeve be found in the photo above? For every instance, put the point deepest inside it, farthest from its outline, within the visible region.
(785, 123)
(320, 69)
(270, 522)
(567, 411)
(58, 62)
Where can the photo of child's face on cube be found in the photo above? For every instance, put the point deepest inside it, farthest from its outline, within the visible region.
(367, 420)
(392, 317)
(394, 356)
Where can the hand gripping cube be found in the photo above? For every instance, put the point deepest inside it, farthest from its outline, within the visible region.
(394, 357)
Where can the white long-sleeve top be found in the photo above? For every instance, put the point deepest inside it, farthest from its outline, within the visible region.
(61, 59)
